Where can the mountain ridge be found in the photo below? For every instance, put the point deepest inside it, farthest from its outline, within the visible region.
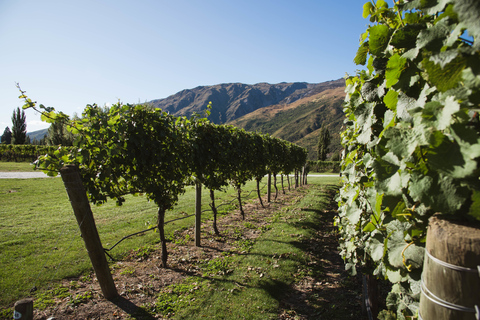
(233, 100)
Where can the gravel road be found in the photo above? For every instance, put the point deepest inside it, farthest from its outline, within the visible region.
(22, 175)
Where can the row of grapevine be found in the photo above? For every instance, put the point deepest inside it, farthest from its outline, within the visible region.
(134, 149)
(412, 138)
(23, 152)
(223, 154)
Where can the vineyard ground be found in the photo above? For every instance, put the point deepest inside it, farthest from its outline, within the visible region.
(280, 263)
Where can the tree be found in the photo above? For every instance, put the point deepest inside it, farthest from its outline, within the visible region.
(19, 127)
(59, 135)
(323, 143)
(7, 136)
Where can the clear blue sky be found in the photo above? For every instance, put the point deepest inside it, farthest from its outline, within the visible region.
(67, 54)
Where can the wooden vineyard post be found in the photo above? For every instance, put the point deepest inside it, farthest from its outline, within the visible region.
(302, 180)
(296, 178)
(305, 174)
(450, 286)
(198, 212)
(23, 309)
(83, 213)
(269, 186)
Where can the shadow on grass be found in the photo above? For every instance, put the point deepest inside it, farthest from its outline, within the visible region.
(132, 309)
(322, 289)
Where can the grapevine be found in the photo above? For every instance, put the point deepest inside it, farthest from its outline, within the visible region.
(134, 149)
(412, 138)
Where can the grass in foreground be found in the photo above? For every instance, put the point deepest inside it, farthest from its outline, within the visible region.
(39, 237)
(283, 274)
(279, 263)
(15, 166)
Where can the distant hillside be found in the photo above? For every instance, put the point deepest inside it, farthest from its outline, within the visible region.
(233, 100)
(38, 135)
(300, 121)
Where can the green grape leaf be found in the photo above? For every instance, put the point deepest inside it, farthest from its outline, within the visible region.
(445, 156)
(413, 254)
(368, 9)
(390, 100)
(379, 36)
(402, 142)
(406, 37)
(433, 6)
(394, 276)
(432, 38)
(468, 140)
(448, 76)
(381, 4)
(353, 213)
(395, 66)
(391, 186)
(369, 227)
(404, 105)
(376, 247)
(361, 56)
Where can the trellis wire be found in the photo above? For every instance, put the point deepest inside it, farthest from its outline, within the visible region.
(153, 228)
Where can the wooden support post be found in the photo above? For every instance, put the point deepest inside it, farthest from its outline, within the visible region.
(451, 271)
(296, 178)
(198, 212)
(83, 213)
(23, 309)
(305, 174)
(269, 186)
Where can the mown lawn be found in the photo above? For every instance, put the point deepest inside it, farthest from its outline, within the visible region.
(15, 166)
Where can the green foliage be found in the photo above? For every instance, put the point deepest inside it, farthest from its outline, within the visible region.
(19, 127)
(59, 135)
(24, 152)
(412, 143)
(6, 136)
(134, 149)
(323, 144)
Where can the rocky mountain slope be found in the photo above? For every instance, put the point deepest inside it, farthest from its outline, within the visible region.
(300, 121)
(234, 100)
(291, 111)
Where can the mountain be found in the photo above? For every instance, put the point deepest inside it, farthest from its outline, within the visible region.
(291, 111)
(233, 100)
(37, 135)
(300, 121)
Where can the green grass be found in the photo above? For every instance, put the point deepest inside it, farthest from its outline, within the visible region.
(39, 236)
(251, 285)
(15, 166)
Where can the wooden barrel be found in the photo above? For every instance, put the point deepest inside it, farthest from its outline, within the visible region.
(451, 272)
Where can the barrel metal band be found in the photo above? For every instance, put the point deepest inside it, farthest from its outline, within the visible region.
(452, 266)
(433, 298)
